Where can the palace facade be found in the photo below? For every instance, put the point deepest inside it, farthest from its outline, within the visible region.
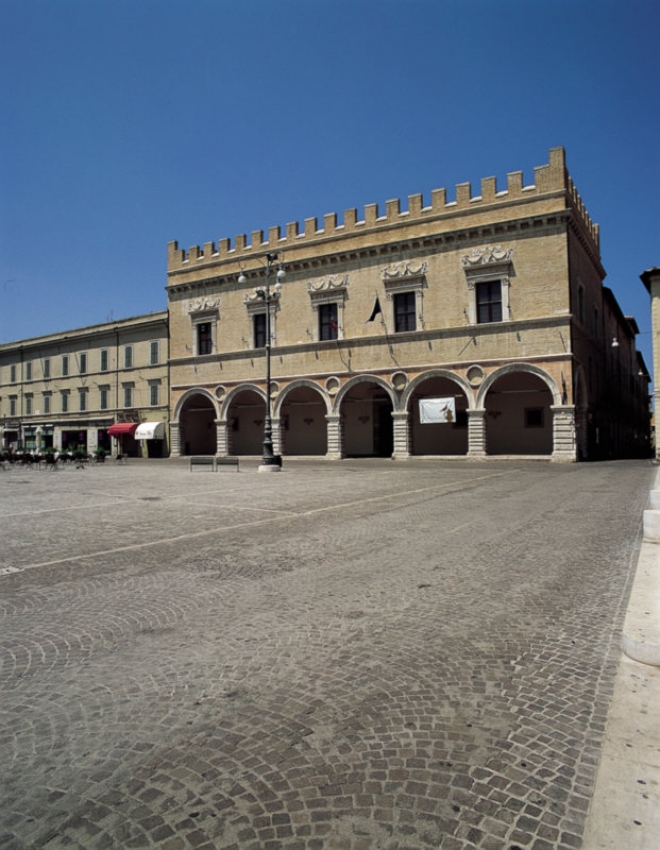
(471, 327)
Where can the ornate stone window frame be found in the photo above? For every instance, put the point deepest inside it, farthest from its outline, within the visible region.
(254, 301)
(486, 264)
(401, 277)
(328, 290)
(201, 311)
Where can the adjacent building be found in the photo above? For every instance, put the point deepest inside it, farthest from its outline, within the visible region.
(472, 327)
(98, 387)
(651, 280)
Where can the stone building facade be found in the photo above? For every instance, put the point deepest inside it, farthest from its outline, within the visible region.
(651, 280)
(80, 388)
(471, 327)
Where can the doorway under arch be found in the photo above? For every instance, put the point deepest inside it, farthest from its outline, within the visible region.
(447, 438)
(245, 418)
(197, 425)
(368, 427)
(518, 415)
(304, 426)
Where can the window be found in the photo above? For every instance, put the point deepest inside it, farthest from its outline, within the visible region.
(104, 360)
(488, 271)
(404, 312)
(28, 405)
(65, 402)
(13, 400)
(128, 356)
(204, 338)
(404, 284)
(327, 297)
(28, 370)
(12, 373)
(259, 326)
(103, 398)
(83, 363)
(46, 367)
(533, 417)
(82, 399)
(65, 365)
(154, 393)
(128, 396)
(328, 321)
(203, 325)
(46, 403)
(153, 352)
(489, 301)
(580, 303)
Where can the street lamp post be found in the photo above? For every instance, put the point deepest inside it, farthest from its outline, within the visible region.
(269, 461)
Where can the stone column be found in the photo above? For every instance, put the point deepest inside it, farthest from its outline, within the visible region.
(175, 439)
(335, 437)
(476, 433)
(277, 435)
(93, 440)
(563, 433)
(221, 438)
(401, 435)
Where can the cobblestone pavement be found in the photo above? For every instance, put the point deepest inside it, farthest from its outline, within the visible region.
(357, 656)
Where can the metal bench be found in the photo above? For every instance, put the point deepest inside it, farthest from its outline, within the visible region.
(203, 460)
(226, 460)
(213, 462)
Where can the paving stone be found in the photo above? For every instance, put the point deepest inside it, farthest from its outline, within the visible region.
(355, 656)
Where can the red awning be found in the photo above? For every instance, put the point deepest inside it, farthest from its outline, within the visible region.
(120, 428)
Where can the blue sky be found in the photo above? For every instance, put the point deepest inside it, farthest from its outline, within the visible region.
(130, 123)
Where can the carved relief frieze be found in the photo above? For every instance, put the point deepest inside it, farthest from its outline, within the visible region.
(256, 297)
(404, 269)
(332, 283)
(203, 305)
(489, 255)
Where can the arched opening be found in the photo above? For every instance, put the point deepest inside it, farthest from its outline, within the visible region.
(435, 438)
(303, 413)
(518, 415)
(245, 419)
(368, 427)
(197, 426)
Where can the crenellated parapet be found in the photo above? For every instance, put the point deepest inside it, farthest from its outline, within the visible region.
(578, 204)
(549, 179)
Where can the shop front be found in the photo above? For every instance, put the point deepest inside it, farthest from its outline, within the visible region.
(123, 434)
(151, 435)
(74, 439)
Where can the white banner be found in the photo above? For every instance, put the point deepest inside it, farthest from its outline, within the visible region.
(434, 410)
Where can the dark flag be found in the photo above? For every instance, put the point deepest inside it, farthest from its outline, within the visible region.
(375, 311)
